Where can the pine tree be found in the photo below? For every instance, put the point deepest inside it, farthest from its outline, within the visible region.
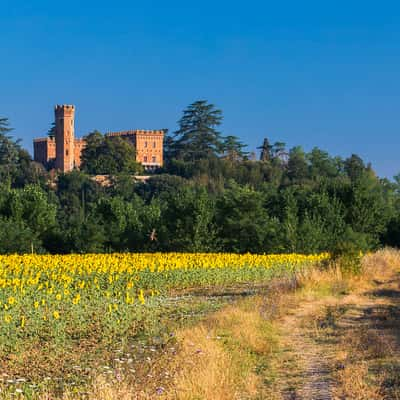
(9, 149)
(4, 126)
(233, 148)
(51, 133)
(197, 137)
(266, 148)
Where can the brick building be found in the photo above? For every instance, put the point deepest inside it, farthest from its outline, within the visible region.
(63, 151)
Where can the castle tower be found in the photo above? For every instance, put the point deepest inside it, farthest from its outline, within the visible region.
(65, 137)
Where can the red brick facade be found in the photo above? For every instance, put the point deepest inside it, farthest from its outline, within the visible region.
(64, 150)
(44, 150)
(148, 144)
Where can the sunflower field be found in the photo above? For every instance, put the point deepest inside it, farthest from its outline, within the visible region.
(42, 292)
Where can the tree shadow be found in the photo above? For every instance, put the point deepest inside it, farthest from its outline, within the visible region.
(390, 293)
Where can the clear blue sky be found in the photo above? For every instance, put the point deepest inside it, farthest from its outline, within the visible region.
(313, 73)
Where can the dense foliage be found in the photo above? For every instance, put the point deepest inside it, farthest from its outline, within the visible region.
(211, 196)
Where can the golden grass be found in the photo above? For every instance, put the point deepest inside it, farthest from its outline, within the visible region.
(317, 282)
(102, 389)
(218, 354)
(367, 351)
(360, 348)
(354, 383)
(381, 264)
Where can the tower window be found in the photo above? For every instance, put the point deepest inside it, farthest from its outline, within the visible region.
(66, 152)
(145, 144)
(154, 145)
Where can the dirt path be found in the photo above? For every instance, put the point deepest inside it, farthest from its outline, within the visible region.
(306, 373)
(314, 333)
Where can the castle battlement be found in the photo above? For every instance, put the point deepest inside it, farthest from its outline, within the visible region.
(44, 139)
(64, 106)
(136, 132)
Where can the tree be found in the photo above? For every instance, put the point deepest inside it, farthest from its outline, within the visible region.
(51, 133)
(105, 155)
(187, 216)
(297, 168)
(32, 206)
(322, 165)
(290, 220)
(169, 148)
(278, 152)
(4, 126)
(16, 165)
(79, 227)
(354, 167)
(322, 224)
(233, 148)
(266, 150)
(197, 136)
(244, 224)
(367, 209)
(26, 217)
(9, 151)
(16, 237)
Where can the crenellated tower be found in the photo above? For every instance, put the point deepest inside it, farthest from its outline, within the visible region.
(65, 137)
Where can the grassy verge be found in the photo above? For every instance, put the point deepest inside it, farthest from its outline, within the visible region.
(367, 360)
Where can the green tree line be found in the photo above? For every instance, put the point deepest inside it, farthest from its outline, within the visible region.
(211, 195)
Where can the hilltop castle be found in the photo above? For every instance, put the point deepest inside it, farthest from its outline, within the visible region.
(64, 149)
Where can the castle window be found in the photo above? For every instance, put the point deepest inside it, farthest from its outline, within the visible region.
(145, 144)
(153, 159)
(154, 145)
(145, 159)
(66, 152)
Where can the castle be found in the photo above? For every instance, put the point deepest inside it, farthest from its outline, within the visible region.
(64, 149)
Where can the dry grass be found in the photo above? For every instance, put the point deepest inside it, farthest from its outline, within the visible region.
(380, 265)
(354, 383)
(218, 354)
(356, 377)
(106, 390)
(367, 362)
(321, 282)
